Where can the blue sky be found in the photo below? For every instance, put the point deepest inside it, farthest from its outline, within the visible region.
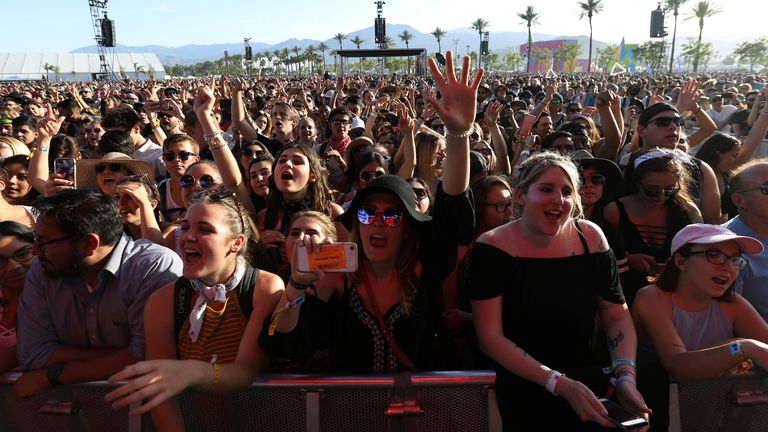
(63, 25)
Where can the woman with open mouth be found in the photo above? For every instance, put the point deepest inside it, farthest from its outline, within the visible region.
(202, 330)
(537, 319)
(690, 319)
(382, 318)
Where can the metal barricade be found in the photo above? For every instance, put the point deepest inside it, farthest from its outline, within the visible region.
(433, 401)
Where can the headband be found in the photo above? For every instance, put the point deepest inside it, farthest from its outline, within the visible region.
(655, 154)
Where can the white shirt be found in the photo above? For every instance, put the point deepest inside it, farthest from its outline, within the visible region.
(152, 154)
(723, 115)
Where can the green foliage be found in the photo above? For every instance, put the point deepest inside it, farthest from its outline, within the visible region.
(752, 52)
(606, 57)
(513, 60)
(652, 53)
(697, 53)
(568, 53)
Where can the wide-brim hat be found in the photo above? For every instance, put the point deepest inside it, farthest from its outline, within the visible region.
(393, 91)
(607, 168)
(389, 184)
(86, 169)
(710, 234)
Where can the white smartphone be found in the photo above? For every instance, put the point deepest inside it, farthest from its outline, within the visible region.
(623, 417)
(66, 167)
(333, 258)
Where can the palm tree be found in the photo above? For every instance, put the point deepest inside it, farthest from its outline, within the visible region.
(439, 34)
(323, 48)
(309, 54)
(588, 9)
(389, 42)
(296, 50)
(673, 5)
(340, 37)
(480, 25)
(530, 17)
(285, 54)
(703, 9)
(357, 41)
(48, 68)
(406, 37)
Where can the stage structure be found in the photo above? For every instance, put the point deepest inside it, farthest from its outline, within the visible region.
(419, 53)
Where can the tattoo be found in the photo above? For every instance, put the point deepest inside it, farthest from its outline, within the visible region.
(525, 354)
(614, 343)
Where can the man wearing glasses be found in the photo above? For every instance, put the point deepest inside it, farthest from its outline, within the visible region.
(81, 312)
(720, 112)
(749, 186)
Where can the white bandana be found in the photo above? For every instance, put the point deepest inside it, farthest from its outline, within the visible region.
(659, 153)
(217, 293)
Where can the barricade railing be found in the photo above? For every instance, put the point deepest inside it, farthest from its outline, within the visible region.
(432, 401)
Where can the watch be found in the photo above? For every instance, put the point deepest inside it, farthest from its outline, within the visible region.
(53, 372)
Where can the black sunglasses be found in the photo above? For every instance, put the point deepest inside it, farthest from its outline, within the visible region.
(421, 193)
(367, 176)
(666, 121)
(367, 214)
(596, 179)
(114, 167)
(183, 155)
(188, 181)
(252, 153)
(653, 193)
(485, 151)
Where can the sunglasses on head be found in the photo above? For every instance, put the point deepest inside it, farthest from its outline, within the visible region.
(114, 167)
(391, 216)
(666, 121)
(188, 181)
(368, 175)
(247, 152)
(218, 195)
(653, 193)
(183, 155)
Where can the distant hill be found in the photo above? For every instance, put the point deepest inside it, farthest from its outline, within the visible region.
(500, 42)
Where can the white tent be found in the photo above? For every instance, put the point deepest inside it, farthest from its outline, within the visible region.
(77, 66)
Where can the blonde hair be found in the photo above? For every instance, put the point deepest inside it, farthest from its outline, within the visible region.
(534, 167)
(17, 147)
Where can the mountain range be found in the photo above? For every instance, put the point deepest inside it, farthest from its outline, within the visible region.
(466, 39)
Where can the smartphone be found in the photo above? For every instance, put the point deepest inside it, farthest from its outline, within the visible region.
(333, 258)
(623, 417)
(65, 167)
(528, 121)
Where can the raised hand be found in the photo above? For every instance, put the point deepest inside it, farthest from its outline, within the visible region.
(49, 125)
(205, 98)
(492, 113)
(459, 98)
(689, 96)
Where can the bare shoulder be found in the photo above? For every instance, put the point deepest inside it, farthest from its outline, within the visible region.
(594, 235)
(260, 219)
(652, 298)
(500, 237)
(268, 283)
(611, 214)
(162, 297)
(158, 309)
(336, 210)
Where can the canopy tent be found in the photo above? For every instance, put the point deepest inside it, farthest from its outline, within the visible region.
(77, 66)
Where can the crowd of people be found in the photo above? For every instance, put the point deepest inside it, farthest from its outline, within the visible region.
(585, 236)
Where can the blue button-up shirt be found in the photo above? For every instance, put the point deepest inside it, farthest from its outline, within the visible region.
(753, 280)
(62, 312)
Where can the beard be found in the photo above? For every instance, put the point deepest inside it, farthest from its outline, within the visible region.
(71, 268)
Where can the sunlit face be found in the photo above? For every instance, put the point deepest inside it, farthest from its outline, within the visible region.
(382, 243)
(107, 179)
(261, 122)
(281, 121)
(197, 172)
(178, 166)
(548, 203)
(340, 125)
(127, 206)
(543, 127)
(498, 198)
(439, 157)
(18, 185)
(207, 243)
(728, 160)
(307, 130)
(591, 190)
(250, 153)
(24, 134)
(15, 269)
(93, 133)
(292, 175)
(303, 227)
(259, 173)
(483, 148)
(660, 136)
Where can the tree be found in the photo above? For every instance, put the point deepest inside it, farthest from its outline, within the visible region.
(296, 50)
(439, 34)
(323, 48)
(752, 52)
(389, 42)
(674, 6)
(531, 17)
(606, 57)
(310, 53)
(651, 53)
(480, 25)
(406, 37)
(48, 68)
(700, 11)
(590, 8)
(696, 52)
(543, 58)
(340, 37)
(567, 53)
(357, 41)
(513, 60)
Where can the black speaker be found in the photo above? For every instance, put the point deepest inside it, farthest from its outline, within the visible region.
(657, 24)
(483, 47)
(380, 27)
(440, 59)
(108, 33)
(248, 53)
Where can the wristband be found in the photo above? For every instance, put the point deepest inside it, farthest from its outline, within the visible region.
(216, 374)
(628, 378)
(745, 363)
(619, 362)
(698, 110)
(299, 286)
(552, 378)
(461, 135)
(43, 149)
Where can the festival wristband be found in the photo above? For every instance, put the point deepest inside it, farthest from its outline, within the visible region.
(552, 378)
(619, 362)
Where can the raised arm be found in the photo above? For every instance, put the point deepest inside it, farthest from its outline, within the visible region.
(47, 127)
(238, 111)
(408, 145)
(610, 148)
(755, 137)
(457, 110)
(497, 138)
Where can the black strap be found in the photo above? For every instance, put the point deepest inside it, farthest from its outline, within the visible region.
(581, 237)
(182, 297)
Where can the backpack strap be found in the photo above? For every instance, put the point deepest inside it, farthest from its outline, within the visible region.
(245, 291)
(182, 296)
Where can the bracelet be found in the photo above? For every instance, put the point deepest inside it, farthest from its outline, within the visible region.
(619, 362)
(629, 378)
(299, 286)
(216, 374)
(209, 137)
(461, 135)
(552, 378)
(745, 363)
(43, 149)
(698, 110)
(215, 147)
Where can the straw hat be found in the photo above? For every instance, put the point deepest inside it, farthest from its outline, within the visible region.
(86, 168)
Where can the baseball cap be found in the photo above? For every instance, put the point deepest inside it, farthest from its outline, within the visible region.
(710, 234)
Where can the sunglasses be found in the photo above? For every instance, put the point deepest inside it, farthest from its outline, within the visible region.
(475, 136)
(163, 115)
(188, 181)
(718, 258)
(485, 151)
(596, 179)
(340, 122)
(666, 121)
(247, 152)
(183, 155)
(421, 193)
(367, 176)
(113, 167)
(574, 110)
(136, 178)
(501, 207)
(653, 193)
(763, 188)
(391, 216)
